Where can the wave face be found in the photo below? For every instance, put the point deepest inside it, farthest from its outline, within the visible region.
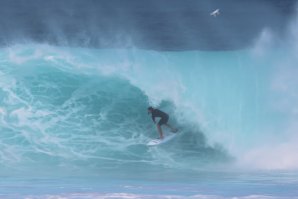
(69, 108)
(76, 109)
(82, 109)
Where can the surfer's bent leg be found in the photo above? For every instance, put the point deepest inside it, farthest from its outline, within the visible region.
(174, 130)
(162, 121)
(159, 131)
(165, 122)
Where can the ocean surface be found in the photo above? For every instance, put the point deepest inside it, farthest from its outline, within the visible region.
(76, 78)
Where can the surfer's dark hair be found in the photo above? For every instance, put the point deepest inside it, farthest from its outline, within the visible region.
(150, 108)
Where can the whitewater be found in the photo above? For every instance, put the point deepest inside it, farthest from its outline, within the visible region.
(74, 122)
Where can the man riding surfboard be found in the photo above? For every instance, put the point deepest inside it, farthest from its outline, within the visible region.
(164, 120)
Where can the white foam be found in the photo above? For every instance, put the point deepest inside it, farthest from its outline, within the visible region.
(148, 196)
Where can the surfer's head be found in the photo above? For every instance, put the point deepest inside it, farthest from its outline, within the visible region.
(150, 109)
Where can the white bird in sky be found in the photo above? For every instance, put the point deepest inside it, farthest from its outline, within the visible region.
(215, 13)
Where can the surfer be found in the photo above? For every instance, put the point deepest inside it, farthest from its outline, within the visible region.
(164, 120)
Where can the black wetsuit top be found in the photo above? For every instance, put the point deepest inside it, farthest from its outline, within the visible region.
(158, 113)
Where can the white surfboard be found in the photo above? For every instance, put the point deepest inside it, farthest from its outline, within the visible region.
(161, 141)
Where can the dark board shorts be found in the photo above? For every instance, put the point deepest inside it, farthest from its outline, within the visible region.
(163, 120)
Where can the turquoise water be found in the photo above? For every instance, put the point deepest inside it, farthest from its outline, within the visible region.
(74, 123)
(76, 78)
(203, 185)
